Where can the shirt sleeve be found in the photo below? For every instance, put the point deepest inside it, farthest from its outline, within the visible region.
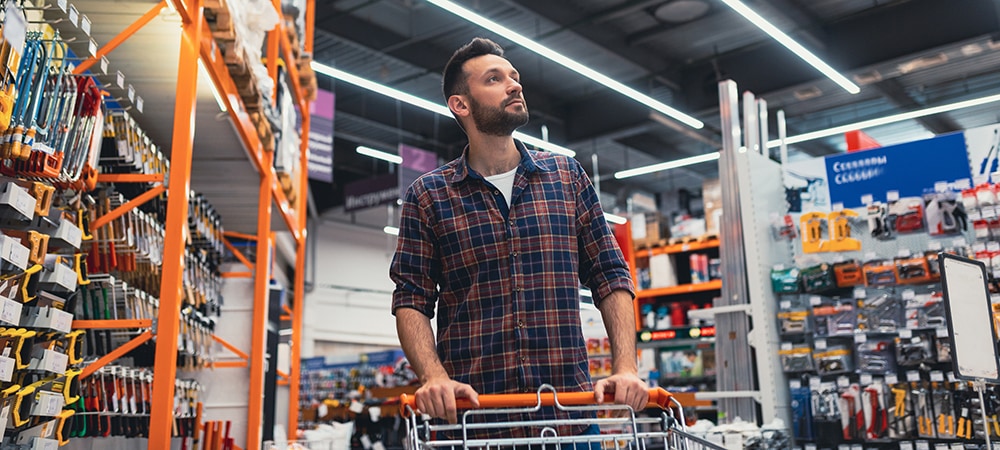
(415, 265)
(602, 266)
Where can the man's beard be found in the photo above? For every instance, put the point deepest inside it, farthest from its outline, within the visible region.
(497, 121)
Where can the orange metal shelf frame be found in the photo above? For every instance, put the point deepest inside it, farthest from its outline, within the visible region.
(682, 289)
(197, 44)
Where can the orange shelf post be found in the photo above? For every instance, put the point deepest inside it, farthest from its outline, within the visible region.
(168, 324)
(262, 277)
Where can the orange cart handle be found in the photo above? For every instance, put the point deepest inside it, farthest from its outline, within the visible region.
(658, 398)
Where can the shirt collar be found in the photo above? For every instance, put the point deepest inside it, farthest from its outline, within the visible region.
(463, 171)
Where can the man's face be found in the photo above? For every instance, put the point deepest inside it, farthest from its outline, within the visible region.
(495, 99)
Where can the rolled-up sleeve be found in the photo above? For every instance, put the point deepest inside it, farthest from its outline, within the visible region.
(603, 268)
(415, 266)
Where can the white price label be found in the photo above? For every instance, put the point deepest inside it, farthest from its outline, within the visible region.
(62, 5)
(923, 445)
(937, 375)
(131, 93)
(815, 300)
(867, 199)
(785, 304)
(958, 242)
(934, 246)
(820, 344)
(839, 258)
(786, 346)
(778, 267)
(815, 383)
(866, 379)
(92, 47)
(978, 247)
(11, 312)
(120, 79)
(904, 253)
(905, 333)
(891, 379)
(993, 246)
(957, 446)
(857, 447)
(860, 338)
(860, 292)
(951, 377)
(941, 332)
(795, 384)
(905, 445)
(74, 15)
(85, 24)
(138, 103)
(912, 375)
(909, 294)
(975, 216)
(810, 447)
(843, 447)
(104, 65)
(989, 213)
(963, 183)
(15, 27)
(892, 196)
(839, 206)
(870, 256)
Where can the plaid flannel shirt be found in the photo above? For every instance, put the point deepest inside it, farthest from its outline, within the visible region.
(505, 283)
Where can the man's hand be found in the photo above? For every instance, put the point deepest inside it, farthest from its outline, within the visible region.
(436, 398)
(628, 388)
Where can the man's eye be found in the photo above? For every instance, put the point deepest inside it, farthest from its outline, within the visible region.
(493, 79)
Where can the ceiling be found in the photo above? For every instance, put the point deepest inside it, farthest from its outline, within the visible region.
(905, 55)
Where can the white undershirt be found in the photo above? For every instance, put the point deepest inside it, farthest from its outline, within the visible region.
(504, 182)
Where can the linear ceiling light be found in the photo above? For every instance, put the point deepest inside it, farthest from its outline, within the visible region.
(886, 120)
(425, 104)
(667, 165)
(379, 154)
(566, 62)
(790, 44)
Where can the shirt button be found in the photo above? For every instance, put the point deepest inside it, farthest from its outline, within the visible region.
(524, 358)
(514, 254)
(496, 192)
(520, 324)
(511, 223)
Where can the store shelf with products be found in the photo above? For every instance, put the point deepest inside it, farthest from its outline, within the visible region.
(130, 257)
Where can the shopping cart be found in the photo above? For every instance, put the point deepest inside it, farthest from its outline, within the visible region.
(620, 428)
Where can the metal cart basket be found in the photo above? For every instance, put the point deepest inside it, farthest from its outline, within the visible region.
(620, 428)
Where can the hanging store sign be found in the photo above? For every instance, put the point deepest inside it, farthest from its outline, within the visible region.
(371, 192)
(321, 137)
(416, 162)
(912, 169)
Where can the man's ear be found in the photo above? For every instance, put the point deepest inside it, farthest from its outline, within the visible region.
(459, 106)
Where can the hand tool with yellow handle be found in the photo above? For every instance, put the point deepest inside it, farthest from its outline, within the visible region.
(812, 232)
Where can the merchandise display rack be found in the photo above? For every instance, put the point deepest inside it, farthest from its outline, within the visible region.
(198, 46)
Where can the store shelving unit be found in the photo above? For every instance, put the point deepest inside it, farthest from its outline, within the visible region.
(197, 45)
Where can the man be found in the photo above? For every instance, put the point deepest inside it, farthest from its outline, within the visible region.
(499, 240)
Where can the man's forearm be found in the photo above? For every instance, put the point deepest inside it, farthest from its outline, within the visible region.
(417, 339)
(619, 321)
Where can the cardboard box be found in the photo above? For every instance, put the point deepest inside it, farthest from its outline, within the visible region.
(711, 195)
(648, 229)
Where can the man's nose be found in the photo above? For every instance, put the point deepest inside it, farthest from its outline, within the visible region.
(513, 87)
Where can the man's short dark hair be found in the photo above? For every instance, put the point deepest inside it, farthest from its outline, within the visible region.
(454, 80)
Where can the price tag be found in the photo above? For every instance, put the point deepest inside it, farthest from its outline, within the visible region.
(138, 103)
(786, 346)
(62, 5)
(941, 187)
(975, 216)
(906, 445)
(778, 267)
(860, 292)
(904, 253)
(839, 259)
(912, 375)
(785, 304)
(937, 375)
(951, 377)
(860, 338)
(810, 447)
(867, 199)
(941, 332)
(934, 246)
(857, 447)
(92, 47)
(795, 384)
(905, 333)
(815, 384)
(815, 300)
(993, 246)
(131, 93)
(15, 27)
(978, 247)
(356, 407)
(909, 294)
(989, 213)
(892, 196)
(104, 65)
(120, 79)
(839, 206)
(891, 379)
(843, 447)
(923, 445)
(866, 379)
(820, 344)
(85, 24)
(74, 15)
(957, 446)
(870, 256)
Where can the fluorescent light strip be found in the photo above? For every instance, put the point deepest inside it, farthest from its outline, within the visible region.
(790, 44)
(614, 218)
(426, 104)
(379, 154)
(215, 92)
(667, 165)
(566, 62)
(886, 120)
